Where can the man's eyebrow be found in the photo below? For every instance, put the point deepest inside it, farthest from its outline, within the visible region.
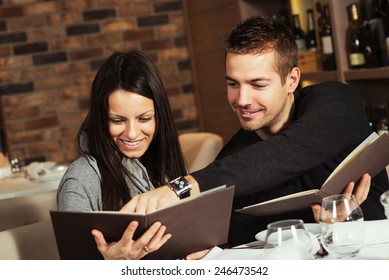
(261, 79)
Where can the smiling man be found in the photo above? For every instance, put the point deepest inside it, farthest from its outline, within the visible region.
(290, 139)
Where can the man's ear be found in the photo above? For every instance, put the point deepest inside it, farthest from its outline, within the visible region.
(293, 79)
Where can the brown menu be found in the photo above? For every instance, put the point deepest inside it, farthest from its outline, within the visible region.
(196, 223)
(371, 156)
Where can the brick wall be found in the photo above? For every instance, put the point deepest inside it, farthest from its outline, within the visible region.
(49, 54)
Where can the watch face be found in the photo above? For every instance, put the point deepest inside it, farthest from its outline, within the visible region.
(180, 185)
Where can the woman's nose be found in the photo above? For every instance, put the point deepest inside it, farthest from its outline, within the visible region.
(131, 130)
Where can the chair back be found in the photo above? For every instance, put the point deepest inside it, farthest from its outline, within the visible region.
(200, 148)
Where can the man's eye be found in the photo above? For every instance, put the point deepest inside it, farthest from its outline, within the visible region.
(233, 85)
(258, 86)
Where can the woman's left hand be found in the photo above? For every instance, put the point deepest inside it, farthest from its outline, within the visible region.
(127, 248)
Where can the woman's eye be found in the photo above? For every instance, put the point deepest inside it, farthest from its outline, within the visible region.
(116, 121)
(145, 119)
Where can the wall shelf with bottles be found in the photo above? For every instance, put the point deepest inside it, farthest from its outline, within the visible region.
(210, 21)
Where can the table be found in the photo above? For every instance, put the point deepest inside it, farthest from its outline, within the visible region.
(376, 246)
(17, 187)
(24, 201)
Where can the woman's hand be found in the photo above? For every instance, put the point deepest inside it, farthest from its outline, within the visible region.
(127, 248)
(151, 201)
(360, 193)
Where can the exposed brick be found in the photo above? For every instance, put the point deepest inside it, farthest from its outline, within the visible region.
(6, 77)
(16, 88)
(84, 104)
(30, 48)
(49, 58)
(32, 73)
(22, 23)
(3, 25)
(44, 147)
(85, 53)
(80, 29)
(173, 90)
(11, 127)
(180, 42)
(79, 4)
(74, 93)
(167, 6)
(183, 65)
(26, 137)
(64, 18)
(99, 14)
(21, 113)
(118, 25)
(42, 122)
(20, 2)
(96, 64)
(10, 12)
(177, 114)
(39, 34)
(14, 62)
(51, 82)
(153, 20)
(72, 68)
(135, 9)
(67, 43)
(138, 34)
(13, 37)
(189, 88)
(5, 51)
(103, 39)
(157, 44)
(50, 7)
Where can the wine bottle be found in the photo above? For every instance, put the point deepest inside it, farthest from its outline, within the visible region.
(299, 34)
(385, 10)
(383, 123)
(354, 45)
(320, 20)
(328, 55)
(311, 43)
(377, 23)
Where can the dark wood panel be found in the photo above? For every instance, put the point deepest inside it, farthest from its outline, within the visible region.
(199, 6)
(209, 29)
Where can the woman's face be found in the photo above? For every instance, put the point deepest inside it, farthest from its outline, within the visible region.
(132, 123)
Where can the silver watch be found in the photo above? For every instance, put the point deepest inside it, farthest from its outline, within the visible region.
(180, 186)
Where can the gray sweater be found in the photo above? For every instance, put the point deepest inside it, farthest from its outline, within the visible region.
(80, 188)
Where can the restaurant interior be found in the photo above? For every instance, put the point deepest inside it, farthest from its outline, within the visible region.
(50, 52)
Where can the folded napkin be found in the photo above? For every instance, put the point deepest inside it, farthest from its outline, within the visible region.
(376, 232)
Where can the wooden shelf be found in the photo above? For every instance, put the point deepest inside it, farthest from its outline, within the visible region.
(367, 74)
(320, 76)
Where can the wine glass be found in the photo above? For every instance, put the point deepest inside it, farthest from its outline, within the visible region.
(384, 199)
(288, 239)
(341, 220)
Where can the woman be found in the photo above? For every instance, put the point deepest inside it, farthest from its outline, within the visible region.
(128, 144)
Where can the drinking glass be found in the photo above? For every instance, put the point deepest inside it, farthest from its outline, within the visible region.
(288, 239)
(384, 199)
(341, 221)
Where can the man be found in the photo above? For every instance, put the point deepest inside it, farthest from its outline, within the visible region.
(290, 141)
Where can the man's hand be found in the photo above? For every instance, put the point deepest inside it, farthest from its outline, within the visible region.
(360, 193)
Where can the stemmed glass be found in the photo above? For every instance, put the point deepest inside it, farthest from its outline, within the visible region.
(288, 239)
(384, 199)
(341, 220)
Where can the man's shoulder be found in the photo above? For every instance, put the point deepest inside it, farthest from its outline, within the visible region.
(331, 87)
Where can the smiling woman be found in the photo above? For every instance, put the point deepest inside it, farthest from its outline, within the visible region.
(123, 143)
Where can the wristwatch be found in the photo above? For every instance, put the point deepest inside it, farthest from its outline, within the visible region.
(180, 186)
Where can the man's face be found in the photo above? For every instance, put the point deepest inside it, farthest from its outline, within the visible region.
(255, 92)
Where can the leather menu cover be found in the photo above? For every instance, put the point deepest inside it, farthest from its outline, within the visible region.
(371, 156)
(196, 223)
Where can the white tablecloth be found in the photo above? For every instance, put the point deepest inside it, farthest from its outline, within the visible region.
(376, 246)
